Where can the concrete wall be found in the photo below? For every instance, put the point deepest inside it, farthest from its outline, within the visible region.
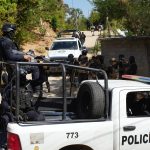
(138, 47)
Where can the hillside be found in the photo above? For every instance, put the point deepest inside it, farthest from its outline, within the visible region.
(39, 45)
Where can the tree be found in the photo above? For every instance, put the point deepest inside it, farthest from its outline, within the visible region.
(8, 11)
(54, 23)
(27, 19)
(33, 13)
(137, 21)
(30, 14)
(53, 9)
(113, 9)
(94, 18)
(75, 18)
(128, 14)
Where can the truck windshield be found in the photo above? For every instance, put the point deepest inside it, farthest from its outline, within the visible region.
(67, 45)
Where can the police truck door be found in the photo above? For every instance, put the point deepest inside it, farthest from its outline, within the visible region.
(134, 127)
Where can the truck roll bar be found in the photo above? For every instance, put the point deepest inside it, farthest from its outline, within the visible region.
(63, 69)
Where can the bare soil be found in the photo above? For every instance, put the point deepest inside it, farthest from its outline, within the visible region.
(45, 41)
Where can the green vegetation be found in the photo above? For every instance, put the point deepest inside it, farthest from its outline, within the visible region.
(138, 17)
(131, 15)
(94, 17)
(8, 11)
(75, 19)
(96, 48)
(31, 15)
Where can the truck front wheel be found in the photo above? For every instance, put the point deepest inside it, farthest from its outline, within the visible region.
(90, 101)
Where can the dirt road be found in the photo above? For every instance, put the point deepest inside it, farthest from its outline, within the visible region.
(90, 39)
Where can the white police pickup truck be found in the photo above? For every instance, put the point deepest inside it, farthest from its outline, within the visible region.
(62, 47)
(104, 115)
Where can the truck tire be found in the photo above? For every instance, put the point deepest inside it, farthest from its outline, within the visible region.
(90, 101)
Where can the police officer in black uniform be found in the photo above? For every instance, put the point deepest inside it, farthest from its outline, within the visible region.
(139, 106)
(132, 66)
(10, 52)
(112, 70)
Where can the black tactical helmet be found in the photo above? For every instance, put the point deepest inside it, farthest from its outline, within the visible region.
(70, 57)
(7, 27)
(84, 52)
